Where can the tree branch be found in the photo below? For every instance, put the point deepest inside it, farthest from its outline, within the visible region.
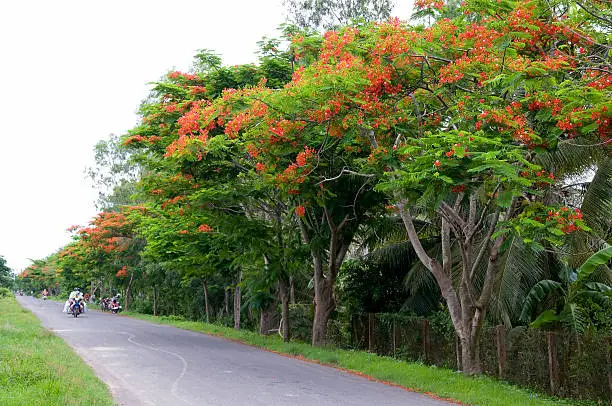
(444, 281)
(413, 236)
(418, 114)
(593, 14)
(342, 172)
(446, 250)
(453, 216)
(487, 286)
(485, 244)
(484, 210)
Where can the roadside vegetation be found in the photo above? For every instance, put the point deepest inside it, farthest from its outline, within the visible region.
(38, 368)
(437, 382)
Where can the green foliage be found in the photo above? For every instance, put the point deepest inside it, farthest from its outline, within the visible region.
(6, 275)
(114, 174)
(566, 296)
(602, 257)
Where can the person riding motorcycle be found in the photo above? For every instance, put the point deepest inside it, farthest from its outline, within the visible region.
(75, 295)
(115, 307)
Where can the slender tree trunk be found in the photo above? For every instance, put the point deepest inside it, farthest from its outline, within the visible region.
(285, 325)
(291, 290)
(237, 298)
(127, 293)
(226, 301)
(154, 301)
(206, 300)
(91, 289)
(266, 315)
(324, 301)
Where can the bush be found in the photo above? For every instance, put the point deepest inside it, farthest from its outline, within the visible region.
(300, 322)
(142, 306)
(5, 292)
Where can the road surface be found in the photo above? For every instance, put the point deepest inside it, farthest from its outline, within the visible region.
(149, 364)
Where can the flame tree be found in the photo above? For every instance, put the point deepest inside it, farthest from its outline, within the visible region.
(452, 122)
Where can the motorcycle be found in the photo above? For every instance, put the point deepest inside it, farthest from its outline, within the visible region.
(115, 307)
(76, 308)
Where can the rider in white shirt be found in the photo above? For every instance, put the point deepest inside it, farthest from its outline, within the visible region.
(76, 294)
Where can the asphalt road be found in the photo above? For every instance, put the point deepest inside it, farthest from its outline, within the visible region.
(149, 364)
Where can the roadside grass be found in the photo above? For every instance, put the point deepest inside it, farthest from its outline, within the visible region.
(438, 382)
(38, 368)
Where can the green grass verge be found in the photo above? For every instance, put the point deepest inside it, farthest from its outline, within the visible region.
(440, 382)
(38, 368)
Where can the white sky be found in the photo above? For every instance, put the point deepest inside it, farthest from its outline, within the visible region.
(74, 71)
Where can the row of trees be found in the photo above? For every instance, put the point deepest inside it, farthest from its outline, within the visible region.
(460, 147)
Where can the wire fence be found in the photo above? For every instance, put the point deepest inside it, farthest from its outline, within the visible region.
(577, 366)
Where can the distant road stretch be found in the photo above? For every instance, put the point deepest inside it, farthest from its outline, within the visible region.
(149, 364)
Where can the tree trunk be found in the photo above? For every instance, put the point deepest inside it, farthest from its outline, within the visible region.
(226, 301)
(154, 301)
(291, 290)
(266, 319)
(466, 307)
(237, 298)
(206, 300)
(127, 293)
(470, 355)
(284, 295)
(324, 304)
(324, 301)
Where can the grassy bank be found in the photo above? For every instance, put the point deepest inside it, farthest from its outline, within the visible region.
(38, 368)
(440, 382)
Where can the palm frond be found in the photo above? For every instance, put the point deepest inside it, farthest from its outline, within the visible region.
(536, 295)
(597, 202)
(520, 269)
(569, 159)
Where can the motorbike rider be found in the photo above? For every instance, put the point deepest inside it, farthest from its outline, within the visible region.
(115, 302)
(75, 295)
(44, 294)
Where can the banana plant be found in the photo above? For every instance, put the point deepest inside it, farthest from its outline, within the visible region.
(562, 297)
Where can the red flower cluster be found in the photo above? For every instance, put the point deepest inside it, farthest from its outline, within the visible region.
(424, 4)
(139, 138)
(181, 75)
(565, 219)
(122, 273)
(305, 156)
(205, 228)
(458, 189)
